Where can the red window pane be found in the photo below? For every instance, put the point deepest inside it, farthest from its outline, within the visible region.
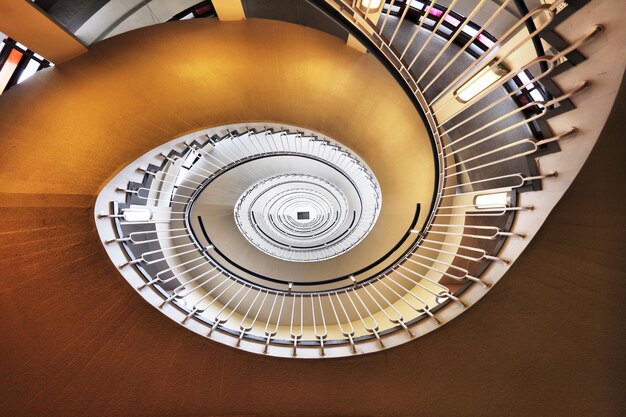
(9, 67)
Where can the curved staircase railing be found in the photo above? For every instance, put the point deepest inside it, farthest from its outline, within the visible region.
(485, 139)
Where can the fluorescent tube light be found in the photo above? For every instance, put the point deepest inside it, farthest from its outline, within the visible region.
(137, 214)
(479, 82)
(371, 4)
(491, 201)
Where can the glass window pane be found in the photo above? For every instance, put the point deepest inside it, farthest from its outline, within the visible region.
(30, 69)
(452, 20)
(9, 67)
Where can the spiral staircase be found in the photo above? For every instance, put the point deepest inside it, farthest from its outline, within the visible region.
(206, 227)
(295, 187)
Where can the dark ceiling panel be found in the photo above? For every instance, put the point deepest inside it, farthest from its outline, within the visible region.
(71, 14)
(293, 11)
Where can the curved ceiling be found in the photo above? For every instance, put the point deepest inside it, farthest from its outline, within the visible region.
(167, 78)
(78, 341)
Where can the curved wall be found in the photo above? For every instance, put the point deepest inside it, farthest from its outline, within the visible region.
(71, 129)
(77, 340)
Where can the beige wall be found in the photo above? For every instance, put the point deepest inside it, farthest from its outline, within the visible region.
(77, 125)
(25, 23)
(77, 340)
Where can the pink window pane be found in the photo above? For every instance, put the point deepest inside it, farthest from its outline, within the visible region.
(435, 12)
(485, 40)
(452, 20)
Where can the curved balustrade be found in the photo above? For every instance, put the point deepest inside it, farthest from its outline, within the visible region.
(485, 153)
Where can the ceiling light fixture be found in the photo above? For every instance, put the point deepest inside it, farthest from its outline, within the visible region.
(491, 201)
(137, 214)
(480, 82)
(371, 5)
